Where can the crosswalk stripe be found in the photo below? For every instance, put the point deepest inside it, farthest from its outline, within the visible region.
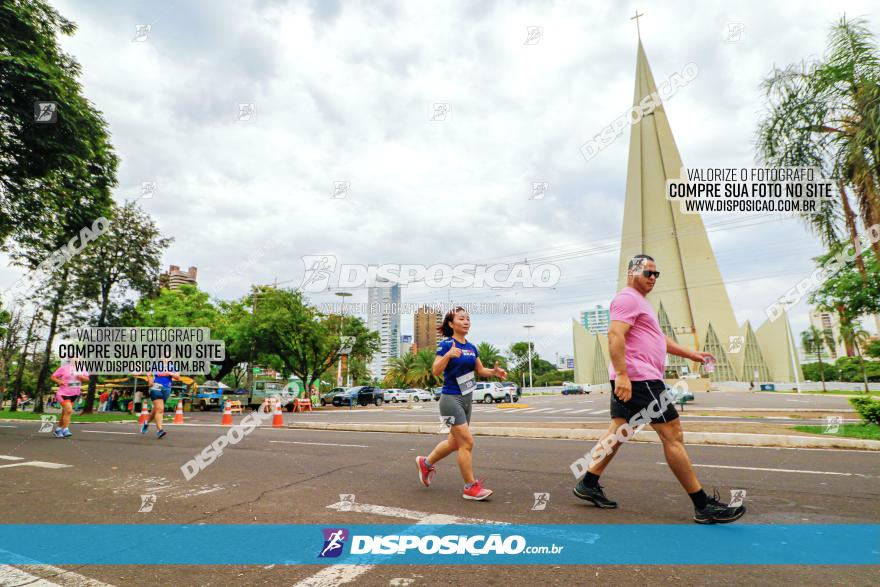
(581, 411)
(12, 576)
(600, 411)
(541, 410)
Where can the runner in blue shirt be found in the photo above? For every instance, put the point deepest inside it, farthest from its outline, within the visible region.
(160, 391)
(459, 361)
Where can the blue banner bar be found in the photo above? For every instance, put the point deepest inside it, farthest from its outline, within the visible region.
(644, 544)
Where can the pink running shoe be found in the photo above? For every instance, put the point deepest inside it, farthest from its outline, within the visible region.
(425, 472)
(476, 491)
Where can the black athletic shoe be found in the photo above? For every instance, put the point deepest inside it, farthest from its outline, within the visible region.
(161, 434)
(594, 495)
(717, 512)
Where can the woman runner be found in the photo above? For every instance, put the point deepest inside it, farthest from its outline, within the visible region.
(69, 382)
(459, 361)
(160, 391)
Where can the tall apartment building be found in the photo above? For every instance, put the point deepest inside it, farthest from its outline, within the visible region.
(383, 299)
(174, 277)
(425, 323)
(597, 320)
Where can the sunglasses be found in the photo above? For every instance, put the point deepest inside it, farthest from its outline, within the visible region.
(648, 273)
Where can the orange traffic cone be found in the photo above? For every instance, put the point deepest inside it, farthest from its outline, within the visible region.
(178, 414)
(145, 414)
(227, 415)
(277, 418)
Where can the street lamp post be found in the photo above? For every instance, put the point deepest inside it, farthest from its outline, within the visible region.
(528, 328)
(343, 295)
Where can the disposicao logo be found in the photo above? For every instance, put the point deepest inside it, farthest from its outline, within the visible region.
(334, 541)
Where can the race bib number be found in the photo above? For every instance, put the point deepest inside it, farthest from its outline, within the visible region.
(466, 383)
(75, 384)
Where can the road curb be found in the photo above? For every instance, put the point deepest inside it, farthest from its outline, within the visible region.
(711, 438)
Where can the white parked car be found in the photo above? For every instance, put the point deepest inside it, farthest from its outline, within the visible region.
(491, 391)
(395, 395)
(420, 395)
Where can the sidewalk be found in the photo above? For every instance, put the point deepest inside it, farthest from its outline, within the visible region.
(542, 430)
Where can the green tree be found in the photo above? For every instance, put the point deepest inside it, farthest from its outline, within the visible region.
(424, 377)
(814, 341)
(402, 372)
(125, 258)
(180, 308)
(847, 291)
(850, 369)
(358, 370)
(306, 341)
(811, 372)
(853, 335)
(489, 355)
(872, 349)
(67, 164)
(828, 116)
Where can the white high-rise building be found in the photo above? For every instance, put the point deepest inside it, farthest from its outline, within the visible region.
(384, 318)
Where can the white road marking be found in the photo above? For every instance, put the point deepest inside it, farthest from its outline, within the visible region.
(601, 411)
(541, 410)
(778, 470)
(65, 578)
(12, 576)
(11, 458)
(581, 411)
(341, 574)
(334, 575)
(193, 493)
(396, 512)
(38, 464)
(7, 426)
(108, 432)
(318, 443)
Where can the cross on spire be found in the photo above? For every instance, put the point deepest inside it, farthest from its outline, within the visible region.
(636, 18)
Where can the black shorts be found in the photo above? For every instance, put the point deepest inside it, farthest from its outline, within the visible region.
(647, 396)
(69, 398)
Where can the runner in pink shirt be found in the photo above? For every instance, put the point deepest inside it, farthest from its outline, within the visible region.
(638, 347)
(69, 389)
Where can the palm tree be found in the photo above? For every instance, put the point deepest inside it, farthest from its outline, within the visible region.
(489, 355)
(854, 335)
(423, 377)
(813, 340)
(402, 371)
(828, 116)
(358, 370)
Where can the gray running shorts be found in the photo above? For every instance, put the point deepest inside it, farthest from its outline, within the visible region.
(457, 406)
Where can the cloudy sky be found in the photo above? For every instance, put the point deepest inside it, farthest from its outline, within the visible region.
(345, 92)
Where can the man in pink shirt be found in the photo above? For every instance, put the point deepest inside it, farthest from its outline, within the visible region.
(69, 389)
(638, 350)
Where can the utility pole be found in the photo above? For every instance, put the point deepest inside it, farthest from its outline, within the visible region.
(528, 328)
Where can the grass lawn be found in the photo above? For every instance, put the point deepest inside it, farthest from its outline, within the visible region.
(866, 431)
(96, 417)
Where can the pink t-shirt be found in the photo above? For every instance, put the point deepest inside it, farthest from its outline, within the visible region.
(645, 342)
(72, 385)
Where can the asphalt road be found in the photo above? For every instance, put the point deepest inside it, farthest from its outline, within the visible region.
(291, 476)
